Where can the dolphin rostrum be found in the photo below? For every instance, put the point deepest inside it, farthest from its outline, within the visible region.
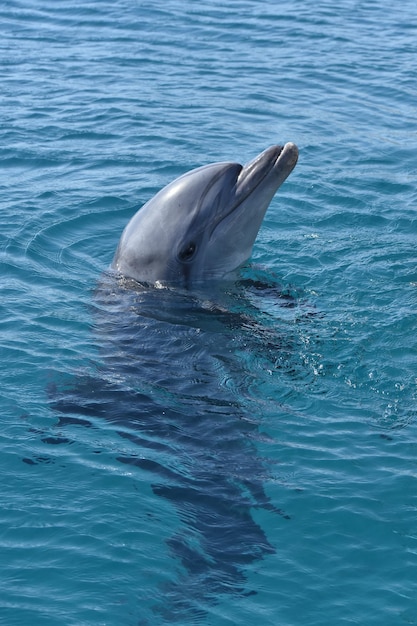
(203, 225)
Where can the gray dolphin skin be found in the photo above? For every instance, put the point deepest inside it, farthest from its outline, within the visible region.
(203, 225)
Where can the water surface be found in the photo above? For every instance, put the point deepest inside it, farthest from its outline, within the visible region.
(103, 103)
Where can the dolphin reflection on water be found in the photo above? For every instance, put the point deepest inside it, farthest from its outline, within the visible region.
(173, 375)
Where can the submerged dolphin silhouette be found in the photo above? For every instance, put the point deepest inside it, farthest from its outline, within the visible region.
(203, 225)
(172, 383)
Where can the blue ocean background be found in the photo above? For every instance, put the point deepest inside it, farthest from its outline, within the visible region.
(101, 105)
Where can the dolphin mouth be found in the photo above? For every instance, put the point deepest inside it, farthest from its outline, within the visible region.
(279, 160)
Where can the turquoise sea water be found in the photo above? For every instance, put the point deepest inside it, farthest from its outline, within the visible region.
(168, 461)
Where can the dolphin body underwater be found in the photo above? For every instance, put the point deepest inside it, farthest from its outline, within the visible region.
(173, 378)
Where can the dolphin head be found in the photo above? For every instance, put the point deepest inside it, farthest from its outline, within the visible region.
(203, 225)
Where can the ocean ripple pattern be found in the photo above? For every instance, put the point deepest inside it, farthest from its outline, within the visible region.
(102, 104)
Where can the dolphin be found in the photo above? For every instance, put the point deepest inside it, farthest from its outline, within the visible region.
(170, 381)
(202, 226)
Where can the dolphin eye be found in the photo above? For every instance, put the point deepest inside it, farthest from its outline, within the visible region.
(187, 253)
